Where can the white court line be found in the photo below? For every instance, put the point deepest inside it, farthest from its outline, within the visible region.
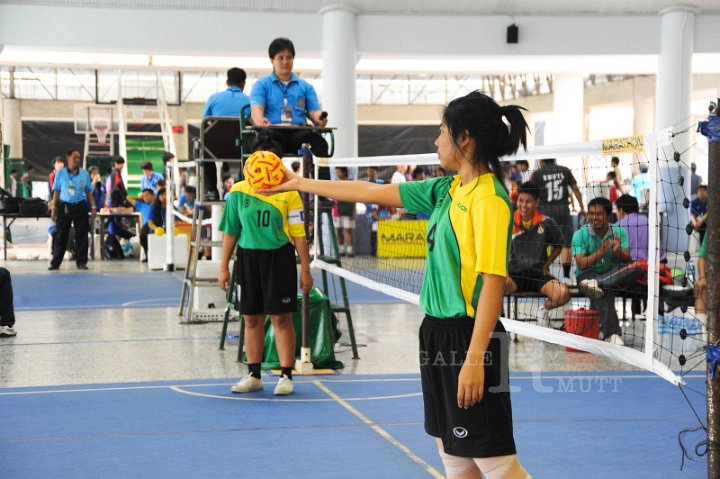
(156, 386)
(245, 398)
(381, 432)
(140, 301)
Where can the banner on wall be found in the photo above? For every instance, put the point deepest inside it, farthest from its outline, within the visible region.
(402, 239)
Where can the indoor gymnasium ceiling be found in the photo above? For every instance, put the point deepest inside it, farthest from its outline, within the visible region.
(477, 7)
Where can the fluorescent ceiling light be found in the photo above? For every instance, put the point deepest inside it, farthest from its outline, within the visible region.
(579, 64)
(248, 63)
(23, 57)
(497, 64)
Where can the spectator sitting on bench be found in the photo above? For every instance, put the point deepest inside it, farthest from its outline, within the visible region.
(144, 205)
(601, 250)
(118, 226)
(156, 219)
(149, 178)
(187, 200)
(536, 242)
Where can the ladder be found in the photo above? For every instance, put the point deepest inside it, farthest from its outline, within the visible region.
(188, 313)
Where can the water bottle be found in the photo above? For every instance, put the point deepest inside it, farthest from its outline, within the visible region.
(690, 272)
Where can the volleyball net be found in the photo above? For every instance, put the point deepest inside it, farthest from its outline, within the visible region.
(656, 323)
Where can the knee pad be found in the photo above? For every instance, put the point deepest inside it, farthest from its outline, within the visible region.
(502, 467)
(455, 465)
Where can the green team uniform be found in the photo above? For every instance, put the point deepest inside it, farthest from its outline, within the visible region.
(469, 234)
(265, 227)
(262, 222)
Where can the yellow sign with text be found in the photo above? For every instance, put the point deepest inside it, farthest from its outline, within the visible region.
(402, 239)
(629, 144)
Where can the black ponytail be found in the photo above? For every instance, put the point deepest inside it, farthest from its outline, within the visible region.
(479, 116)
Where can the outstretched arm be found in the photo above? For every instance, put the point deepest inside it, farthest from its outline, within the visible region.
(357, 191)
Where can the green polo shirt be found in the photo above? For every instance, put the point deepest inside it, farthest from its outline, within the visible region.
(703, 248)
(586, 242)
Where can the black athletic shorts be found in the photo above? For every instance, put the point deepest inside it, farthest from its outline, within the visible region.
(530, 280)
(561, 215)
(485, 429)
(268, 280)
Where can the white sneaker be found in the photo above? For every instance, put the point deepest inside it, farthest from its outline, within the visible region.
(7, 332)
(615, 339)
(541, 316)
(248, 384)
(284, 386)
(591, 288)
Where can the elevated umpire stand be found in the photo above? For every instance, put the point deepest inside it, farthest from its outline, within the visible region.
(220, 142)
(249, 131)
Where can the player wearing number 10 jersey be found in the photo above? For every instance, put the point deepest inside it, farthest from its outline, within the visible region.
(555, 183)
(265, 229)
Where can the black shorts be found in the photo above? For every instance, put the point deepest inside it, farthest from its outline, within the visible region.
(268, 280)
(561, 215)
(485, 429)
(530, 280)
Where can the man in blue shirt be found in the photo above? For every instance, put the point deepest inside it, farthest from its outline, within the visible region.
(150, 178)
(72, 192)
(143, 204)
(282, 98)
(186, 203)
(225, 103)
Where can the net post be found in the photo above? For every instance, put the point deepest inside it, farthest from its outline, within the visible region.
(651, 148)
(304, 364)
(713, 289)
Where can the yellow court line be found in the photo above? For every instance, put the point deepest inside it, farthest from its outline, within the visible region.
(380, 431)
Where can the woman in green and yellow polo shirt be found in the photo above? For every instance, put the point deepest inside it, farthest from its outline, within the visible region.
(463, 346)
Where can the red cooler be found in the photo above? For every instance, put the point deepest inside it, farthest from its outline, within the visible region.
(583, 322)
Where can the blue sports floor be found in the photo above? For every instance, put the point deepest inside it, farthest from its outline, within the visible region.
(597, 425)
(113, 290)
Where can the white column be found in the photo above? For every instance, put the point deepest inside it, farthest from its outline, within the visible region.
(674, 77)
(673, 109)
(12, 127)
(338, 75)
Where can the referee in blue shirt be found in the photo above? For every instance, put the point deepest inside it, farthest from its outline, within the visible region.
(283, 98)
(72, 192)
(224, 103)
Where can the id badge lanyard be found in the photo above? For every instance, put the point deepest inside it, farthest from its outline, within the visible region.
(286, 111)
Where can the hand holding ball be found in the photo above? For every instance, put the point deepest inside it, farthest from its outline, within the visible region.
(263, 170)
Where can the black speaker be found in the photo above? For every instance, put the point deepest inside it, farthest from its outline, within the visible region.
(512, 33)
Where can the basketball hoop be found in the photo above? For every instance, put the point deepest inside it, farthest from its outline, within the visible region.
(101, 133)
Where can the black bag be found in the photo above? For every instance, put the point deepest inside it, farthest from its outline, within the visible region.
(112, 248)
(34, 207)
(8, 203)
